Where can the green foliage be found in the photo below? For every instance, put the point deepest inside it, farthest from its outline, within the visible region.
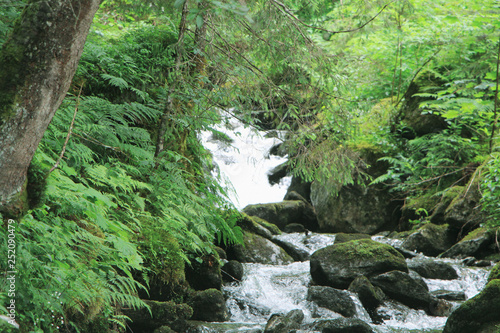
(490, 188)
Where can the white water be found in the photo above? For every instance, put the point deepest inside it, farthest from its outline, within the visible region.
(245, 161)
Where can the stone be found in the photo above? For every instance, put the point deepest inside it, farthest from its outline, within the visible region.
(430, 239)
(232, 271)
(275, 174)
(494, 273)
(474, 244)
(369, 295)
(162, 314)
(205, 274)
(431, 269)
(209, 305)
(464, 212)
(401, 287)
(284, 213)
(339, 264)
(343, 237)
(332, 299)
(294, 227)
(449, 295)
(479, 314)
(260, 250)
(296, 253)
(292, 195)
(345, 325)
(284, 323)
(301, 187)
(354, 208)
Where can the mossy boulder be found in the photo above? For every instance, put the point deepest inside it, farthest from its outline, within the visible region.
(343, 237)
(405, 289)
(332, 299)
(343, 325)
(162, 314)
(339, 264)
(431, 239)
(369, 295)
(479, 314)
(475, 244)
(432, 269)
(283, 213)
(209, 305)
(284, 324)
(464, 211)
(205, 273)
(260, 250)
(495, 273)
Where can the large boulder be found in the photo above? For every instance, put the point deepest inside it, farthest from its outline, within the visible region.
(205, 273)
(284, 213)
(284, 324)
(295, 252)
(430, 239)
(431, 269)
(339, 264)
(260, 250)
(475, 244)
(405, 289)
(479, 314)
(258, 226)
(332, 299)
(354, 208)
(158, 315)
(209, 305)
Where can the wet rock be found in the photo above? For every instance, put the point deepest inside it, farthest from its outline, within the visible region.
(275, 174)
(449, 295)
(294, 227)
(339, 264)
(296, 253)
(284, 324)
(292, 195)
(344, 325)
(205, 274)
(431, 269)
(430, 239)
(333, 299)
(232, 271)
(405, 289)
(406, 253)
(260, 250)
(478, 314)
(301, 187)
(369, 295)
(474, 244)
(494, 273)
(355, 209)
(278, 150)
(440, 308)
(209, 305)
(284, 213)
(162, 314)
(258, 226)
(343, 237)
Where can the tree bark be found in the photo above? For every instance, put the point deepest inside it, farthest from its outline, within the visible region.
(37, 64)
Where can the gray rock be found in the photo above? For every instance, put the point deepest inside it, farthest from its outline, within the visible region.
(260, 250)
(284, 324)
(204, 275)
(471, 245)
(333, 299)
(369, 295)
(296, 253)
(275, 174)
(345, 325)
(232, 271)
(209, 305)
(431, 269)
(430, 239)
(402, 287)
(162, 314)
(449, 295)
(294, 227)
(339, 264)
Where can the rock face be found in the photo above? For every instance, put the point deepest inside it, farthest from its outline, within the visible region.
(405, 289)
(479, 314)
(339, 264)
(333, 299)
(474, 244)
(204, 275)
(260, 250)
(356, 208)
(284, 324)
(209, 305)
(162, 313)
(284, 213)
(430, 239)
(431, 269)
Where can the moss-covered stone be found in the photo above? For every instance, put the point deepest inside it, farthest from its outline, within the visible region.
(495, 273)
(258, 226)
(205, 273)
(369, 295)
(162, 314)
(260, 250)
(430, 239)
(475, 244)
(209, 305)
(339, 264)
(479, 314)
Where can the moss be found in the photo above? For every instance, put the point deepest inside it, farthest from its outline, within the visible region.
(273, 228)
(474, 234)
(368, 248)
(495, 273)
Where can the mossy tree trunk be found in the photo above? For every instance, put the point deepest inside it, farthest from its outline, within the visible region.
(37, 64)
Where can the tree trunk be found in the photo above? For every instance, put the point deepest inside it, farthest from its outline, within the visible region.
(37, 64)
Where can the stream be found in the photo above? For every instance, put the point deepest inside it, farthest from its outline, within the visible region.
(269, 289)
